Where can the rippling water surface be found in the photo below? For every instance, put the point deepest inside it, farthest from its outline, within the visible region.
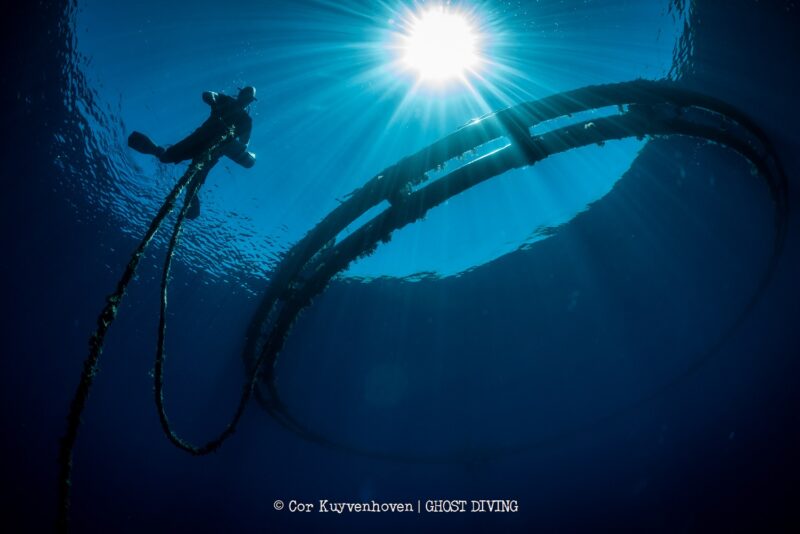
(334, 109)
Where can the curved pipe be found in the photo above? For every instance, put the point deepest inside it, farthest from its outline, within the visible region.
(411, 170)
(642, 120)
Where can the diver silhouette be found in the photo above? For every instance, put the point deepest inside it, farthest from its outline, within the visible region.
(226, 112)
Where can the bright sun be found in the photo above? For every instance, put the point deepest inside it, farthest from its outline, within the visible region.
(440, 45)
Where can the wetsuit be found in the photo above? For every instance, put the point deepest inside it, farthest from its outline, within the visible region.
(226, 111)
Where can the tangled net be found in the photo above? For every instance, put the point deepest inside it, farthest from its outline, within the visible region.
(646, 109)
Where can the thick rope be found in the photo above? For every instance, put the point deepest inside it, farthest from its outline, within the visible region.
(199, 168)
(158, 375)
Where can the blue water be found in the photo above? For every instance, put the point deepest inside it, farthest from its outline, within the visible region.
(328, 78)
(516, 317)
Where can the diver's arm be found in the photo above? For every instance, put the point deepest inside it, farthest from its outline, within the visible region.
(210, 98)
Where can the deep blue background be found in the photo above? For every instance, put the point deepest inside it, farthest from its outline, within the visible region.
(716, 451)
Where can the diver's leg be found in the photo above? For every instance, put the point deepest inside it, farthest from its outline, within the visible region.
(180, 151)
(188, 148)
(141, 143)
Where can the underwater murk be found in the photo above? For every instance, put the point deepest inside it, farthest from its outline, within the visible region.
(357, 266)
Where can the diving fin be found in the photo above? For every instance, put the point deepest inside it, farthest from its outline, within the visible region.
(194, 208)
(141, 143)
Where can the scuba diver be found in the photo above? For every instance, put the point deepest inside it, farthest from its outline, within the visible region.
(226, 111)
